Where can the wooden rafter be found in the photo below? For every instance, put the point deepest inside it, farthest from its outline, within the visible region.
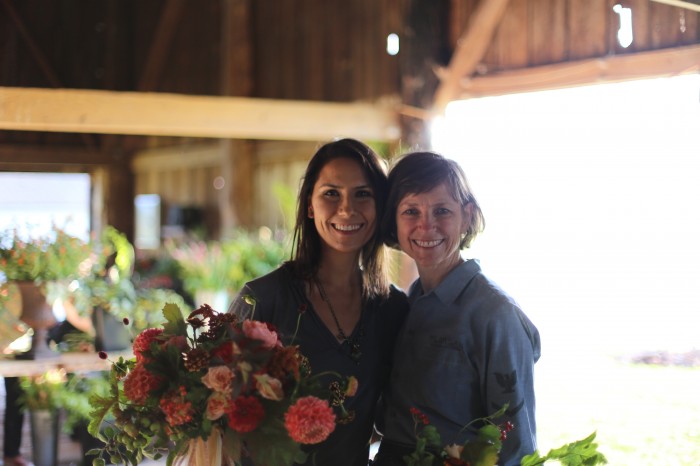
(690, 5)
(160, 114)
(639, 65)
(470, 49)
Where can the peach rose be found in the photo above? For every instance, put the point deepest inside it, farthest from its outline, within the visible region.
(218, 378)
(216, 406)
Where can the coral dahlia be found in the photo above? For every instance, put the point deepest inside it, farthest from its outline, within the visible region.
(310, 420)
(143, 342)
(139, 383)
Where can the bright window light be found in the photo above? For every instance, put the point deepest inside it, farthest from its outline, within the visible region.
(392, 44)
(624, 34)
(590, 197)
(32, 202)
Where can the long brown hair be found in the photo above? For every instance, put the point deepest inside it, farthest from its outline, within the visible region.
(307, 242)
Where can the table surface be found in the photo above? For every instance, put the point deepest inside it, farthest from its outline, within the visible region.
(71, 362)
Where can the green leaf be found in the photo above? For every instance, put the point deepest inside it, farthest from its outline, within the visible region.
(232, 445)
(578, 453)
(102, 406)
(479, 452)
(490, 433)
(286, 451)
(175, 322)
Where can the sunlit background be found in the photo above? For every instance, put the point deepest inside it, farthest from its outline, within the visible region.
(591, 202)
(592, 224)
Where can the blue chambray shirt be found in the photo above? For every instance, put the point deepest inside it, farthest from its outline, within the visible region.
(465, 350)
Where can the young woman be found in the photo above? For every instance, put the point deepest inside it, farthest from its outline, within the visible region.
(334, 297)
(466, 348)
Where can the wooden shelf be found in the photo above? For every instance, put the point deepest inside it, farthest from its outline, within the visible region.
(71, 362)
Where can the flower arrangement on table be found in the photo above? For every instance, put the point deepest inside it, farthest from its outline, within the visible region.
(54, 256)
(214, 382)
(484, 447)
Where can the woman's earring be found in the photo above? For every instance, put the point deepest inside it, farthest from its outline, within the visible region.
(310, 212)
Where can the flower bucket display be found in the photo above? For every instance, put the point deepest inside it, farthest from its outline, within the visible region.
(44, 433)
(110, 333)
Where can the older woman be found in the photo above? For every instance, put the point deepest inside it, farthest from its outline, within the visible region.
(466, 348)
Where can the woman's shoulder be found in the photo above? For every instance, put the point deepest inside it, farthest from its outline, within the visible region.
(268, 293)
(272, 280)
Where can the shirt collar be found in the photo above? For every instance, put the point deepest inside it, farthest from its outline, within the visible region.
(452, 285)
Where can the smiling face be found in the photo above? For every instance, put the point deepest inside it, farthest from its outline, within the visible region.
(342, 205)
(429, 227)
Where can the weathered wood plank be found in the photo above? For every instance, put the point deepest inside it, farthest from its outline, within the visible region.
(86, 111)
(547, 33)
(589, 23)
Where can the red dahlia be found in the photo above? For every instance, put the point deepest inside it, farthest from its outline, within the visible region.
(245, 413)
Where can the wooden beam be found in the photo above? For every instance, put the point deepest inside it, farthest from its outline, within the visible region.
(617, 68)
(691, 5)
(470, 49)
(160, 114)
(33, 154)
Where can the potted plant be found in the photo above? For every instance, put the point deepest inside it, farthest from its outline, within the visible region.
(31, 265)
(108, 294)
(42, 397)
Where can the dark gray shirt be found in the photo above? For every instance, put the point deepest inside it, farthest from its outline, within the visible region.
(465, 350)
(281, 301)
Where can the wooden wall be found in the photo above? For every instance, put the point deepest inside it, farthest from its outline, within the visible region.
(191, 176)
(541, 32)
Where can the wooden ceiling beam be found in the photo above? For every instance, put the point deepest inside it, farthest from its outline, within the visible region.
(51, 154)
(160, 114)
(690, 5)
(641, 65)
(471, 47)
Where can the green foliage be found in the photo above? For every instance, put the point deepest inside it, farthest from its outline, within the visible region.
(227, 264)
(579, 453)
(483, 449)
(43, 391)
(109, 285)
(56, 256)
(75, 398)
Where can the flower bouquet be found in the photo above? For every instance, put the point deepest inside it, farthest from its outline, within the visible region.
(484, 447)
(212, 388)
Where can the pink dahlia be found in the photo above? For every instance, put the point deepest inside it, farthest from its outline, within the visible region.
(245, 413)
(139, 383)
(143, 342)
(309, 420)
